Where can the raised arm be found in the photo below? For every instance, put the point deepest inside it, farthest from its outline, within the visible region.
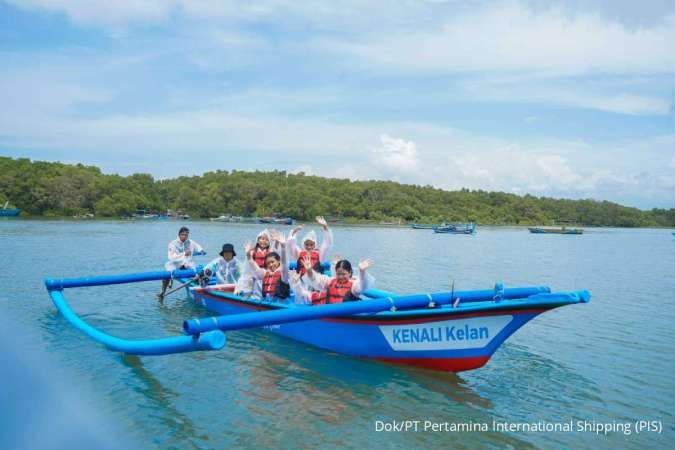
(258, 272)
(327, 241)
(363, 280)
(293, 248)
(302, 295)
(317, 280)
(281, 241)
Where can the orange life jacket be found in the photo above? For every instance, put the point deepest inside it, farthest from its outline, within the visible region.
(273, 286)
(259, 255)
(339, 291)
(316, 263)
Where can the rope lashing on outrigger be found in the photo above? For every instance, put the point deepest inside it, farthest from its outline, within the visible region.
(534, 296)
(213, 340)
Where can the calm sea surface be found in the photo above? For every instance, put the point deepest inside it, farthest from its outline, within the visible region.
(610, 361)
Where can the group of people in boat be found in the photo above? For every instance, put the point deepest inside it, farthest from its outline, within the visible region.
(266, 272)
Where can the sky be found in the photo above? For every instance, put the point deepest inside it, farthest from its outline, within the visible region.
(570, 99)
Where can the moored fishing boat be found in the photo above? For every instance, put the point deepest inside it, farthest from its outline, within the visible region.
(422, 226)
(555, 230)
(9, 212)
(448, 331)
(144, 214)
(461, 228)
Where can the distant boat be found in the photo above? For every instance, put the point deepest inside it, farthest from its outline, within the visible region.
(222, 218)
(555, 230)
(144, 214)
(418, 226)
(242, 219)
(456, 228)
(85, 216)
(283, 221)
(9, 212)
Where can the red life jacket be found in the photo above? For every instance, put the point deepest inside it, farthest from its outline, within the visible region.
(318, 298)
(338, 292)
(273, 286)
(259, 255)
(314, 255)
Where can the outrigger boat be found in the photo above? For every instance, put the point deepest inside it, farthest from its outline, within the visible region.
(448, 331)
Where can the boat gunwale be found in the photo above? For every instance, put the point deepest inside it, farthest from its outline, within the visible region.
(418, 315)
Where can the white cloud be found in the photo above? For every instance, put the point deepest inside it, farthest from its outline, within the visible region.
(512, 168)
(556, 168)
(507, 36)
(396, 155)
(452, 159)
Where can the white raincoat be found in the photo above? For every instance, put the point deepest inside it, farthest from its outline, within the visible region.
(248, 283)
(226, 272)
(324, 249)
(177, 257)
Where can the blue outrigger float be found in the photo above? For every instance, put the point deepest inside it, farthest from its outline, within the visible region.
(447, 331)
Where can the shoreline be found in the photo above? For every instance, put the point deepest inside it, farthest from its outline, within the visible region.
(341, 224)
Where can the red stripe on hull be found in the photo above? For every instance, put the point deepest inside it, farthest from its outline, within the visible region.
(442, 364)
(438, 317)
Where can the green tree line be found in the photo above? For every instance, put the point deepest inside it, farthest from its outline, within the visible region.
(55, 189)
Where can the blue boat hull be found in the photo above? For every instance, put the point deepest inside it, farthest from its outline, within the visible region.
(457, 229)
(439, 338)
(539, 230)
(10, 212)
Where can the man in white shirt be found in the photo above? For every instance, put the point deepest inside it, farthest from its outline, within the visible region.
(180, 254)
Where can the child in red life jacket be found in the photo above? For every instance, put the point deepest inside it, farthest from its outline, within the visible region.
(262, 248)
(274, 277)
(310, 247)
(337, 289)
(248, 285)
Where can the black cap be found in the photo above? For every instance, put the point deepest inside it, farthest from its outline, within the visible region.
(228, 248)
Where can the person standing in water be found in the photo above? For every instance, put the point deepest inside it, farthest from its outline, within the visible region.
(180, 253)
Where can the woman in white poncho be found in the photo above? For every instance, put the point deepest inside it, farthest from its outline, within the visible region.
(247, 284)
(226, 268)
(317, 254)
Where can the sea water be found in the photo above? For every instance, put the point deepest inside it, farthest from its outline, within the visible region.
(591, 375)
